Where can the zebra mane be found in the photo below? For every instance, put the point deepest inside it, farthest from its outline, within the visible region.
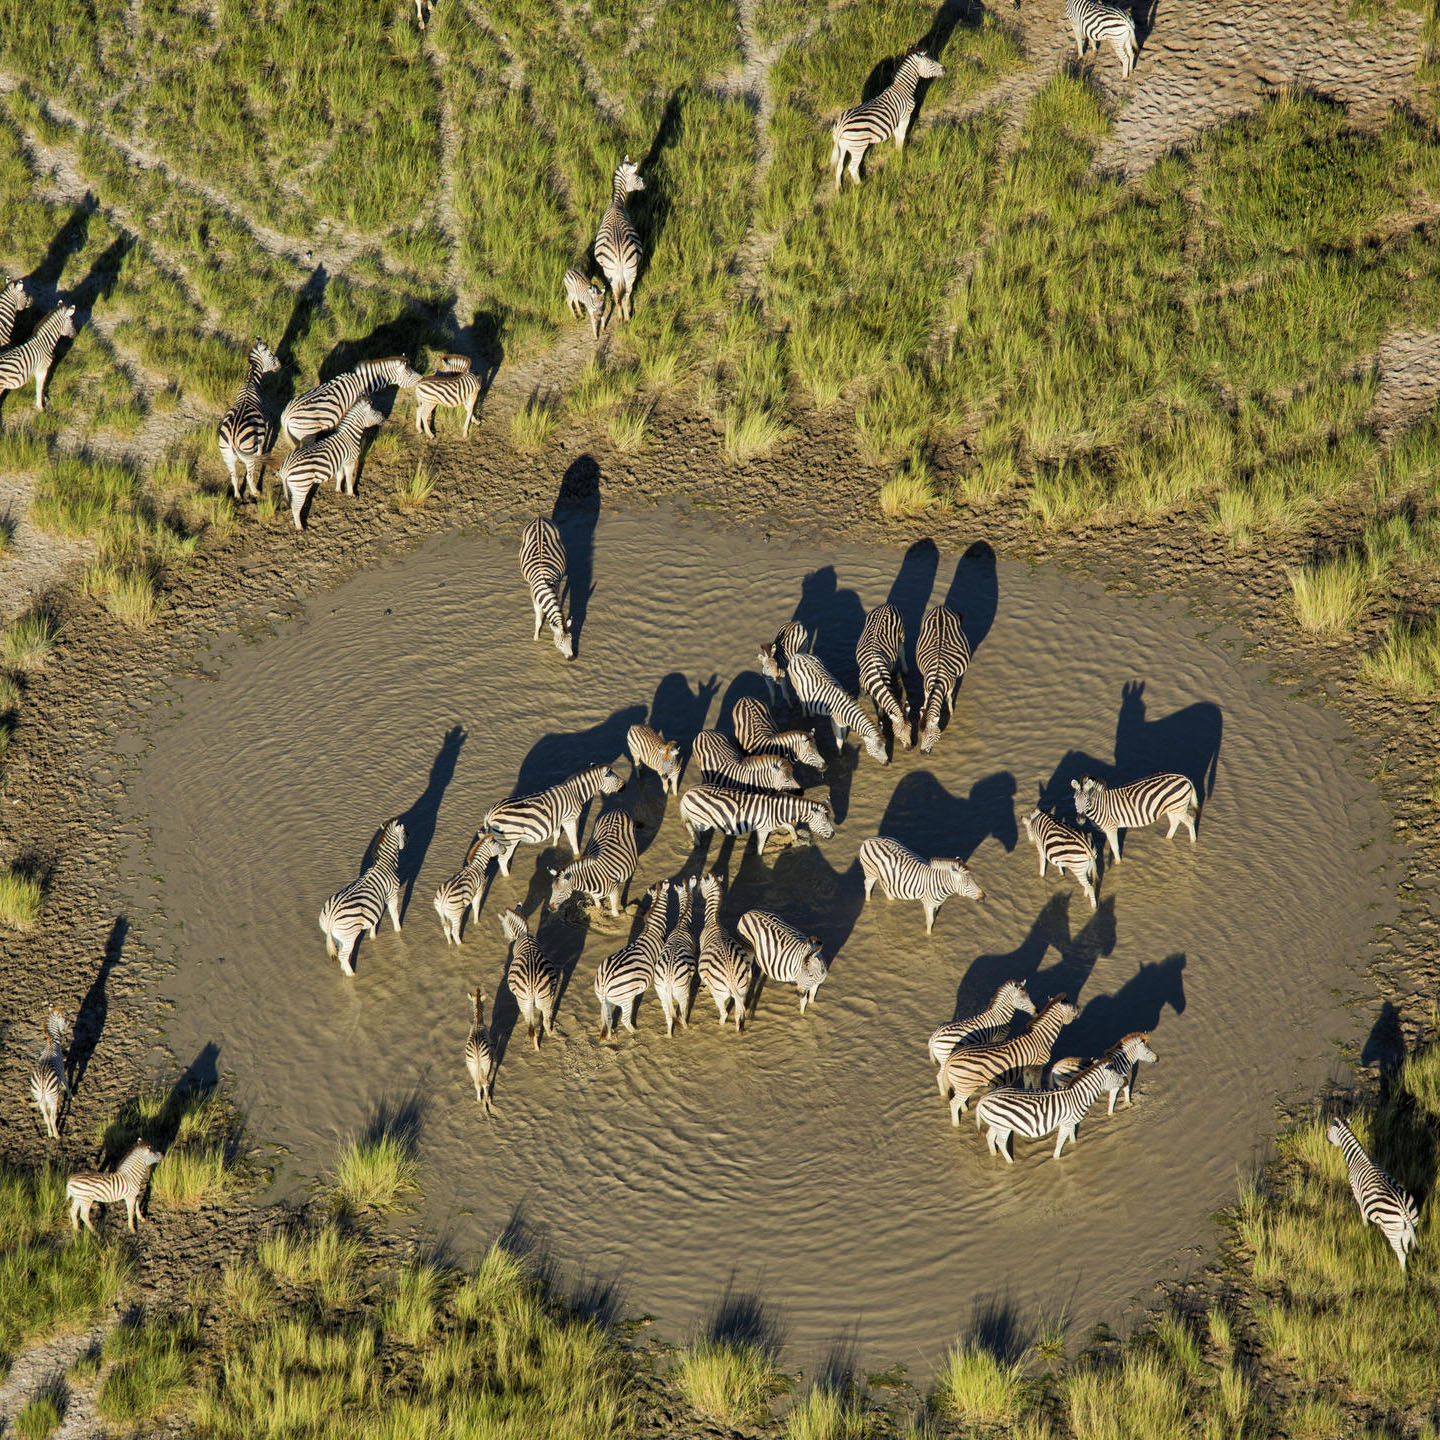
(373, 848)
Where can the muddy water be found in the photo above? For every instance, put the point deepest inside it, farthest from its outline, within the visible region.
(811, 1162)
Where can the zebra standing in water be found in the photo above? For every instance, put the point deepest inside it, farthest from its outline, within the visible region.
(13, 299)
(622, 978)
(541, 818)
(1131, 807)
(1035, 1113)
(604, 868)
(465, 889)
(784, 954)
(721, 762)
(451, 387)
(48, 1085)
(775, 659)
(650, 749)
(818, 694)
(1095, 21)
(1125, 1057)
(617, 246)
(335, 456)
(247, 434)
(761, 812)
(968, 1067)
(755, 730)
(480, 1051)
(542, 563)
(678, 965)
(874, 122)
(584, 297)
(1383, 1203)
(533, 978)
(359, 906)
(1011, 998)
(1064, 848)
(943, 654)
(125, 1182)
(322, 408)
(879, 654)
(904, 875)
(726, 970)
(35, 357)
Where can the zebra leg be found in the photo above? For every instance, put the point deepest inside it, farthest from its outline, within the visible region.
(539, 619)
(957, 1108)
(761, 837)
(869, 886)
(469, 415)
(930, 908)
(40, 386)
(604, 1019)
(571, 827)
(855, 159)
(627, 1014)
(1087, 884)
(1067, 1132)
(1191, 815)
(900, 130)
(346, 955)
(1112, 839)
(251, 488)
(506, 856)
(1079, 41)
(392, 904)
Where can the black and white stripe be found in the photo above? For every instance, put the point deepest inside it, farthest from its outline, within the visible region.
(1382, 1201)
(1035, 1113)
(817, 693)
(904, 875)
(542, 563)
(622, 978)
(776, 656)
(1097, 21)
(533, 978)
(726, 969)
(451, 387)
(1065, 848)
(874, 122)
(357, 908)
(943, 655)
(585, 297)
(1131, 807)
(678, 965)
(1011, 998)
(13, 299)
(650, 749)
(125, 1182)
(33, 359)
(601, 872)
(1124, 1057)
(783, 953)
(335, 456)
(480, 1051)
(48, 1084)
(247, 434)
(721, 762)
(969, 1067)
(617, 246)
(465, 889)
(757, 734)
(879, 656)
(321, 408)
(541, 818)
(758, 812)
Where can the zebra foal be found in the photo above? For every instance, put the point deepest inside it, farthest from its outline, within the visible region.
(904, 875)
(33, 359)
(678, 962)
(651, 750)
(542, 563)
(126, 1182)
(48, 1084)
(1065, 848)
(943, 655)
(1382, 1201)
(541, 818)
(321, 408)
(1036, 1113)
(1131, 807)
(335, 456)
(465, 889)
(874, 122)
(480, 1058)
(1010, 999)
(722, 763)
(1097, 21)
(756, 733)
(759, 812)
(13, 299)
(879, 655)
(969, 1067)
(247, 434)
(726, 969)
(604, 869)
(622, 978)
(533, 978)
(784, 954)
(357, 908)
(451, 387)
(618, 250)
(584, 297)
(817, 693)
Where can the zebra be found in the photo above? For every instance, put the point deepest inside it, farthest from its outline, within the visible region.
(451, 387)
(542, 563)
(541, 818)
(967, 1067)
(1094, 21)
(584, 297)
(1035, 1113)
(904, 875)
(617, 246)
(533, 978)
(874, 122)
(784, 954)
(726, 969)
(943, 655)
(1009, 999)
(359, 906)
(321, 408)
(741, 812)
(247, 434)
(650, 749)
(776, 656)
(335, 456)
(1125, 1056)
(465, 889)
(622, 978)
(1382, 1201)
(879, 653)
(818, 694)
(125, 1182)
(34, 358)
(604, 868)
(1142, 802)
(480, 1058)
(1065, 848)
(676, 969)
(48, 1084)
(13, 299)
(722, 763)
(756, 733)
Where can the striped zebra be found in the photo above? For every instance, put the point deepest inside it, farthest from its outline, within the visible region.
(125, 1182)
(1382, 1201)
(541, 818)
(465, 889)
(1011, 998)
(622, 978)
(451, 387)
(584, 297)
(358, 907)
(480, 1058)
(33, 359)
(48, 1084)
(13, 299)
(1131, 807)
(756, 733)
(533, 978)
(874, 122)
(879, 655)
(1097, 21)
(758, 812)
(651, 750)
(1036, 1113)
(1125, 1057)
(726, 969)
(678, 965)
(969, 1067)
(818, 694)
(603, 870)
(783, 953)
(247, 434)
(322, 408)
(335, 456)
(776, 656)
(617, 246)
(722, 763)
(542, 563)
(904, 875)
(943, 655)
(1065, 848)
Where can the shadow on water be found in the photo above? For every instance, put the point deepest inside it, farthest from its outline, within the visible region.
(419, 819)
(95, 1007)
(1186, 741)
(563, 940)
(556, 757)
(678, 712)
(741, 1317)
(910, 595)
(1137, 1005)
(399, 1118)
(922, 814)
(802, 886)
(975, 592)
(1384, 1047)
(575, 513)
(834, 617)
(996, 1328)
(160, 1127)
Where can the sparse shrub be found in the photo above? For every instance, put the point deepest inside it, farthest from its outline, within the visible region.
(629, 429)
(977, 1388)
(532, 426)
(375, 1173)
(728, 1380)
(152, 1363)
(1329, 595)
(826, 1415)
(417, 491)
(20, 900)
(29, 643)
(751, 434)
(40, 1418)
(132, 599)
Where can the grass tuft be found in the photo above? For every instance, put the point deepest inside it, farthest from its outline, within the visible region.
(151, 1365)
(1329, 595)
(417, 491)
(730, 1380)
(20, 899)
(375, 1173)
(825, 1415)
(629, 428)
(40, 1418)
(751, 434)
(978, 1388)
(532, 426)
(29, 643)
(1408, 662)
(909, 491)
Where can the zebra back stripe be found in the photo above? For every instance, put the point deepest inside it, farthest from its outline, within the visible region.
(617, 246)
(726, 970)
(818, 694)
(1095, 21)
(943, 655)
(247, 434)
(757, 735)
(542, 563)
(1009, 999)
(879, 654)
(968, 1067)
(604, 868)
(721, 762)
(321, 408)
(758, 812)
(650, 749)
(33, 359)
(533, 978)
(1382, 1201)
(13, 299)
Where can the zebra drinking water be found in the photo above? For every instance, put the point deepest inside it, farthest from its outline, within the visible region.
(818, 694)
(756, 733)
(943, 655)
(542, 563)
(604, 868)
(784, 954)
(874, 122)
(904, 875)
(759, 812)
(247, 434)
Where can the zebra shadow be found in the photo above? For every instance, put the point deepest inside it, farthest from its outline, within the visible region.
(42, 282)
(483, 340)
(504, 1016)
(922, 814)
(413, 327)
(650, 207)
(562, 938)
(419, 819)
(190, 1091)
(601, 1299)
(975, 592)
(1384, 1047)
(834, 617)
(95, 1007)
(1057, 795)
(559, 755)
(576, 513)
(1137, 1005)
(996, 1327)
(679, 713)
(1186, 741)
(308, 300)
(748, 684)
(909, 595)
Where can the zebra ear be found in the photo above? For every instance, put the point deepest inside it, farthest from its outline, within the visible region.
(1075, 786)
(553, 871)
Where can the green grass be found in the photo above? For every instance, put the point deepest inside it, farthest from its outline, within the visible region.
(533, 426)
(825, 1415)
(1329, 595)
(21, 897)
(375, 1173)
(151, 1364)
(751, 434)
(728, 1380)
(28, 643)
(39, 1418)
(416, 492)
(199, 1134)
(910, 491)
(977, 1388)
(1407, 663)
(629, 429)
